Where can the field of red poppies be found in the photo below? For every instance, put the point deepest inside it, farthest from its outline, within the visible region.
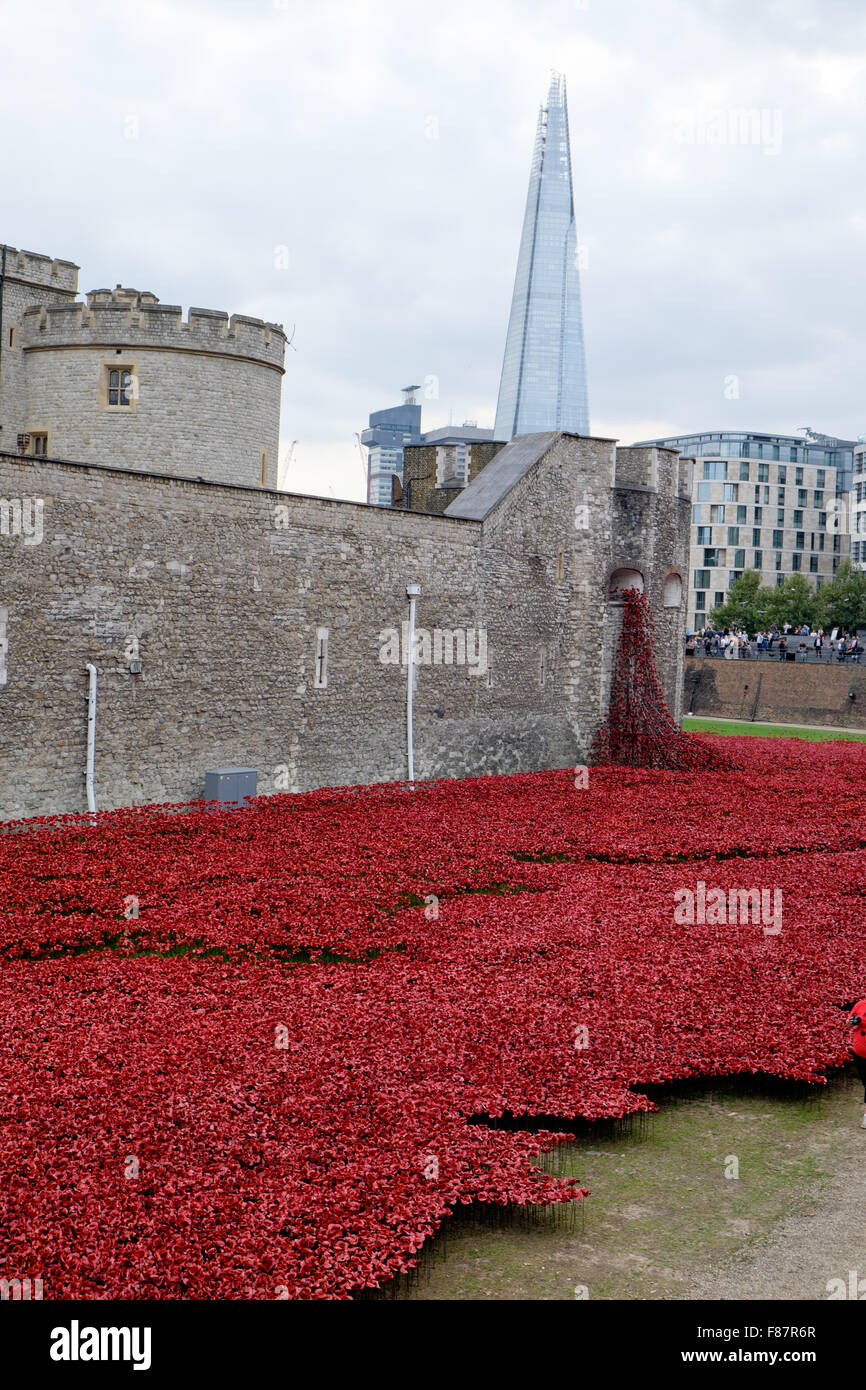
(250, 1054)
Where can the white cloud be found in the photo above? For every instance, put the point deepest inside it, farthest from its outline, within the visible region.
(310, 127)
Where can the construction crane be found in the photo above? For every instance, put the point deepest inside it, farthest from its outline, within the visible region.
(287, 461)
(363, 464)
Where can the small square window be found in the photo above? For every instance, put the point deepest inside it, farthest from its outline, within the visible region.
(120, 387)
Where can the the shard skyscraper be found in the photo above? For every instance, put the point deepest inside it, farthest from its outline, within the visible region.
(543, 384)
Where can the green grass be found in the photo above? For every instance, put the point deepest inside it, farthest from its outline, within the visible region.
(693, 724)
(661, 1210)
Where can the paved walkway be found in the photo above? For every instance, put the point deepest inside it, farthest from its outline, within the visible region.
(825, 1241)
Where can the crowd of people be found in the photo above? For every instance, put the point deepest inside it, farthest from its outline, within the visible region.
(804, 641)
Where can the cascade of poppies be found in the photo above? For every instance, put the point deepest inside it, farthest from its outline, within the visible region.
(639, 730)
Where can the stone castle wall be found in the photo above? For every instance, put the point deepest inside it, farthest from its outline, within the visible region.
(227, 592)
(784, 692)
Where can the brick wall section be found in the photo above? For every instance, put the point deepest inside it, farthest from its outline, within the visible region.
(420, 493)
(790, 692)
(225, 603)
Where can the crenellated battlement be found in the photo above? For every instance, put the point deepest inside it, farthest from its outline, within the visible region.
(651, 468)
(29, 267)
(135, 318)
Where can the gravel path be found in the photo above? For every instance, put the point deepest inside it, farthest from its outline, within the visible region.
(823, 1241)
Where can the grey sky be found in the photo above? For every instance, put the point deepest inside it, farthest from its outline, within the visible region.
(386, 145)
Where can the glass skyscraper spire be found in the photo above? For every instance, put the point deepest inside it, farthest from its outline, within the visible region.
(543, 384)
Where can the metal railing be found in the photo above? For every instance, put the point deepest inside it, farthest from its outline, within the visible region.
(796, 651)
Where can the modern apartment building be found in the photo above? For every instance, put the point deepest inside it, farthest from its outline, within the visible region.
(858, 506)
(775, 503)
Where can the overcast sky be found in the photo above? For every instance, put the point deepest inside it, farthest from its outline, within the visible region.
(385, 144)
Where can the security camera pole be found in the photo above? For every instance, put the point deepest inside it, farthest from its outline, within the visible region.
(413, 592)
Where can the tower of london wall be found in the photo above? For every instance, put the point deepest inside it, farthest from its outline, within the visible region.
(226, 595)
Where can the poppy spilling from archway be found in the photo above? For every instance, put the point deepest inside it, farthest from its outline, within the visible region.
(639, 730)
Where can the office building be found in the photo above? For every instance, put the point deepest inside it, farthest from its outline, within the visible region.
(543, 383)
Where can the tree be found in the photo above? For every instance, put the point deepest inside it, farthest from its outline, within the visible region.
(842, 602)
(746, 605)
(792, 602)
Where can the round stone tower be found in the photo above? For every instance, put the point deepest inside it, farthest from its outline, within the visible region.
(127, 381)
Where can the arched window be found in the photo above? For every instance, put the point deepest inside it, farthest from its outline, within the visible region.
(672, 591)
(624, 579)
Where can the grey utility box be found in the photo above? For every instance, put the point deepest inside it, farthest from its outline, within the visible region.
(230, 785)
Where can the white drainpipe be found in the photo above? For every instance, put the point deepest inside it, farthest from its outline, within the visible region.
(412, 593)
(91, 735)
